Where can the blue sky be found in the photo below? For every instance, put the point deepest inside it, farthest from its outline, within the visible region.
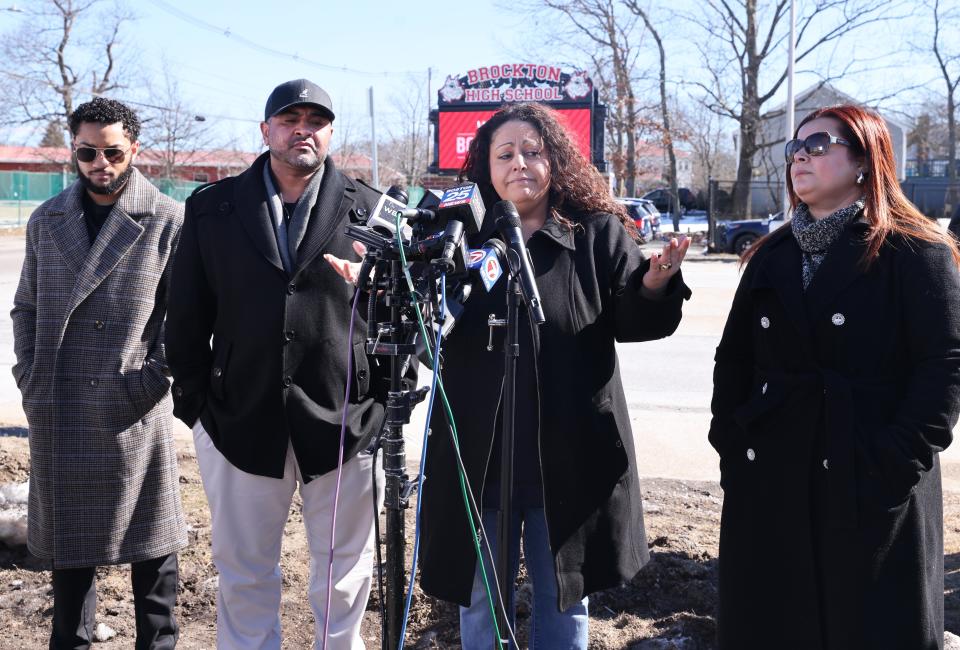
(389, 46)
(392, 44)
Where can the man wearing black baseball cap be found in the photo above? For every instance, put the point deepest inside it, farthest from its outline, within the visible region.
(298, 92)
(266, 399)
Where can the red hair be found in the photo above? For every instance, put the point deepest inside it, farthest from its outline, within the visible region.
(886, 209)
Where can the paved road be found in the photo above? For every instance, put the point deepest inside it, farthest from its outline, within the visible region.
(668, 383)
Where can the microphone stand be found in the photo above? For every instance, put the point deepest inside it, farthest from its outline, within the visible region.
(505, 513)
(398, 486)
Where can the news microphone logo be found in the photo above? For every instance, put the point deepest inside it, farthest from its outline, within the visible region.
(384, 216)
(491, 270)
(476, 258)
(457, 195)
(488, 262)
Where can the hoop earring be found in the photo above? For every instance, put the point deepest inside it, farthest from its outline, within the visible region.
(860, 177)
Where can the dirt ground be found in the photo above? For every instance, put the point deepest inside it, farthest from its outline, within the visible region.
(669, 605)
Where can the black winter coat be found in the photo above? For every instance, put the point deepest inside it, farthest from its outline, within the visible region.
(829, 409)
(277, 369)
(589, 282)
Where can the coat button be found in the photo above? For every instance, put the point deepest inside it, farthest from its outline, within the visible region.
(763, 389)
(223, 207)
(289, 335)
(838, 319)
(98, 325)
(287, 382)
(291, 288)
(751, 454)
(217, 372)
(764, 322)
(362, 375)
(826, 464)
(94, 382)
(178, 392)
(361, 212)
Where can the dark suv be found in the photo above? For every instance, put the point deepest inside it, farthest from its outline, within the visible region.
(661, 199)
(737, 236)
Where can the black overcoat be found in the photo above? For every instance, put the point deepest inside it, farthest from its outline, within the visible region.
(589, 282)
(276, 371)
(829, 409)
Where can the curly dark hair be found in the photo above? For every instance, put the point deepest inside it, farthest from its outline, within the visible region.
(577, 189)
(101, 110)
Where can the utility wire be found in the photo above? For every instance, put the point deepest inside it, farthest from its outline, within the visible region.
(80, 91)
(253, 45)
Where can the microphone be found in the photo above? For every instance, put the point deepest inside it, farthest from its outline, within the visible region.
(398, 193)
(461, 211)
(383, 222)
(384, 217)
(521, 266)
(426, 210)
(463, 203)
(488, 261)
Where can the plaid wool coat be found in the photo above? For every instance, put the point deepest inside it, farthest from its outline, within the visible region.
(88, 336)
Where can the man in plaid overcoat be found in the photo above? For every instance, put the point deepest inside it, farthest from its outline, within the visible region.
(88, 334)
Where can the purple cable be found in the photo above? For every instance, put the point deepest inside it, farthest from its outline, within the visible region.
(336, 493)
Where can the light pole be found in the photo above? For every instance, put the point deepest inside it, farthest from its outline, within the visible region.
(787, 212)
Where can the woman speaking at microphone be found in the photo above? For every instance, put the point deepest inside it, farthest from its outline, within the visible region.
(576, 494)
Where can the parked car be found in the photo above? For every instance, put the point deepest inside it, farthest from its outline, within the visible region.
(661, 199)
(737, 236)
(644, 215)
(691, 221)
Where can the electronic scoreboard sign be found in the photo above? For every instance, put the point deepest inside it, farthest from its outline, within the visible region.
(466, 102)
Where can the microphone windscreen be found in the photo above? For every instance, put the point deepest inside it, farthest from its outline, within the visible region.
(398, 193)
(505, 215)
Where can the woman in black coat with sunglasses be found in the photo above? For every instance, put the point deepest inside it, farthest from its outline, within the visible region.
(836, 384)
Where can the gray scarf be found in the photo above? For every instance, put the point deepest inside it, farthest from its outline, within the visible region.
(815, 236)
(289, 235)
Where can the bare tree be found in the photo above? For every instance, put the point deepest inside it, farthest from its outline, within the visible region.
(173, 130)
(50, 54)
(946, 19)
(664, 112)
(752, 35)
(709, 140)
(613, 33)
(929, 135)
(408, 146)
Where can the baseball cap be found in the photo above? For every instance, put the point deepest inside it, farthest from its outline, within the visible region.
(298, 91)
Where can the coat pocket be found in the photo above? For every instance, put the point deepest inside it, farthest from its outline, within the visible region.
(885, 478)
(218, 372)
(147, 386)
(766, 395)
(604, 451)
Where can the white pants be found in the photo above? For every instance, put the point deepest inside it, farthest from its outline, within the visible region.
(248, 515)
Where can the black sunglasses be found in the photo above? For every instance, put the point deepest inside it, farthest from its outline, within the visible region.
(815, 144)
(110, 154)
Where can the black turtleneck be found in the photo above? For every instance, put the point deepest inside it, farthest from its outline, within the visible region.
(95, 216)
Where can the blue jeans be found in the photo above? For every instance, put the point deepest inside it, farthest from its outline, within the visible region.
(550, 629)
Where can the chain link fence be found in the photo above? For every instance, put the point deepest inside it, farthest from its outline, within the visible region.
(22, 192)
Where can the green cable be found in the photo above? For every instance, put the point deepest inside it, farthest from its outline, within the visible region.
(453, 431)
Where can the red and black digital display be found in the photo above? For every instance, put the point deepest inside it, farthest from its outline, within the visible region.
(457, 128)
